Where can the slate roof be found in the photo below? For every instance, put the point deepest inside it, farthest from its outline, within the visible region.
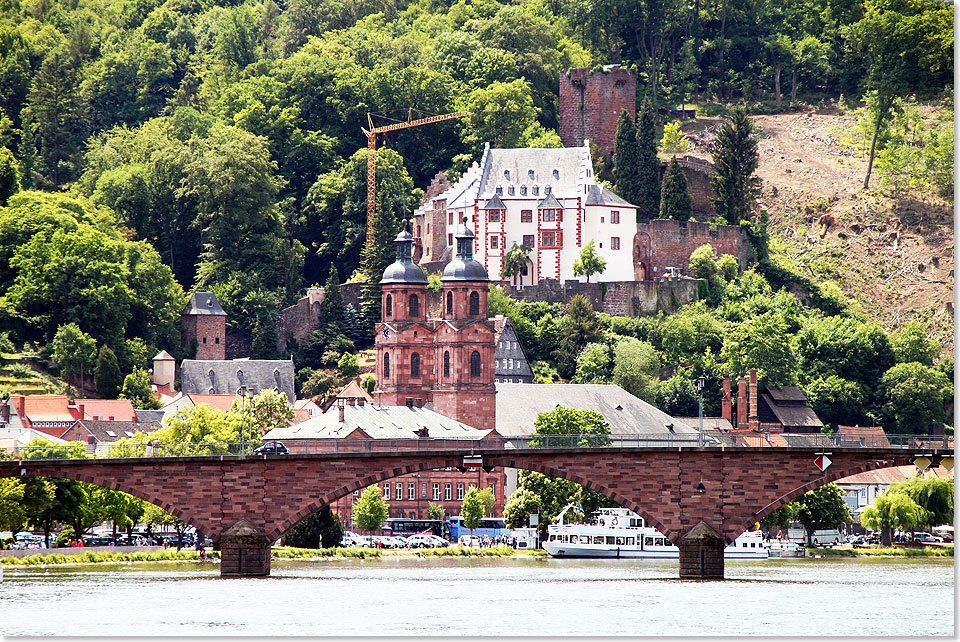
(709, 423)
(549, 203)
(505, 333)
(495, 204)
(600, 195)
(108, 431)
(787, 393)
(791, 416)
(228, 376)
(144, 416)
(378, 422)
(519, 403)
(163, 356)
(568, 162)
(203, 303)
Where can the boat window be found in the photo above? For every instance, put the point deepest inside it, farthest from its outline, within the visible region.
(552, 538)
(753, 544)
(621, 541)
(609, 539)
(648, 541)
(635, 522)
(564, 539)
(660, 542)
(598, 539)
(574, 539)
(630, 541)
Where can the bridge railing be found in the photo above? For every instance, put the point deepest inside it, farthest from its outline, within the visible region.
(710, 439)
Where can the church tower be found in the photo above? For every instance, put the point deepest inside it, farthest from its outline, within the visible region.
(465, 341)
(404, 339)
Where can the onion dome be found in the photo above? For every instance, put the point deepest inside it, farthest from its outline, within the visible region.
(464, 267)
(404, 270)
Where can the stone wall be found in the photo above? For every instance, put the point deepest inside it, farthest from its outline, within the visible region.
(618, 298)
(590, 104)
(300, 319)
(663, 243)
(698, 172)
(210, 332)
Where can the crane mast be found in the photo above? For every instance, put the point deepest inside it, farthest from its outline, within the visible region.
(371, 135)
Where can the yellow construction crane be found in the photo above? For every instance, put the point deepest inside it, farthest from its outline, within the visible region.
(371, 135)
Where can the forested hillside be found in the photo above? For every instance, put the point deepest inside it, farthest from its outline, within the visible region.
(148, 148)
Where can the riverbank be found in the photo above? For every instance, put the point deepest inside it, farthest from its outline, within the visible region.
(885, 551)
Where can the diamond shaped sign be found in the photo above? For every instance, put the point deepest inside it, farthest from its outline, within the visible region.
(922, 462)
(822, 462)
(947, 463)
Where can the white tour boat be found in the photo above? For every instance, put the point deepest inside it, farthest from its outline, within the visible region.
(621, 533)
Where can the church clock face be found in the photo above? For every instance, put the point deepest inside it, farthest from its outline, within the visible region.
(386, 333)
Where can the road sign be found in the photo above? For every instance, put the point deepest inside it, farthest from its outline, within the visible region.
(947, 463)
(822, 462)
(922, 462)
(472, 462)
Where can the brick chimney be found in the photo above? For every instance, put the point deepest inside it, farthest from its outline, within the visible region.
(80, 414)
(754, 422)
(726, 410)
(741, 403)
(340, 408)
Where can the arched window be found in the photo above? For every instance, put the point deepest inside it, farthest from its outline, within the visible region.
(389, 305)
(475, 364)
(415, 364)
(386, 365)
(474, 303)
(446, 363)
(449, 302)
(414, 305)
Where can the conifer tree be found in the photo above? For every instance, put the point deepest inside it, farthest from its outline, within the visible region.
(374, 259)
(735, 158)
(264, 344)
(625, 175)
(107, 377)
(674, 197)
(332, 311)
(580, 328)
(648, 165)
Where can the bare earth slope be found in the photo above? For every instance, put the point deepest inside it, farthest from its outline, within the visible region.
(891, 254)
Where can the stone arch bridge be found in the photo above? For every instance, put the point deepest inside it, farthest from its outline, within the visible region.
(700, 498)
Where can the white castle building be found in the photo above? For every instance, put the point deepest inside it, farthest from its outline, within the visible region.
(545, 199)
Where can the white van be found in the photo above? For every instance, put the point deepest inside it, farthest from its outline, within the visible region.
(829, 537)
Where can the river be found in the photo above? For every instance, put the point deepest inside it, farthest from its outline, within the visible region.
(483, 596)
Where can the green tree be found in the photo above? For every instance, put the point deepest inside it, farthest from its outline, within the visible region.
(589, 262)
(822, 508)
(107, 377)
(593, 364)
(348, 365)
(579, 328)
(674, 197)
(264, 345)
(500, 114)
(136, 388)
(626, 159)
(12, 507)
(156, 516)
(575, 428)
(735, 158)
(933, 494)
(488, 500)
(635, 368)
(320, 529)
(677, 396)
(521, 504)
(889, 511)
(269, 409)
(435, 511)
(762, 342)
(914, 398)
(9, 175)
(371, 510)
(332, 310)
(674, 140)
(74, 350)
(516, 261)
(472, 509)
(375, 257)
(911, 343)
(648, 164)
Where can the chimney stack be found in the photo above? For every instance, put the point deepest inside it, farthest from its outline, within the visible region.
(741, 403)
(80, 411)
(340, 408)
(726, 410)
(754, 419)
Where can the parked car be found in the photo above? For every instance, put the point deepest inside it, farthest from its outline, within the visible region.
(271, 448)
(439, 542)
(927, 538)
(421, 541)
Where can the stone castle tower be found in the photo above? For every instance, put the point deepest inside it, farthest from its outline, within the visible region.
(591, 102)
(205, 321)
(448, 361)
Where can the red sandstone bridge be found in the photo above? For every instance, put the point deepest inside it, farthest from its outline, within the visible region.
(701, 498)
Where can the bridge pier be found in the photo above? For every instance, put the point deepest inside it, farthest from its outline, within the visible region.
(701, 554)
(244, 551)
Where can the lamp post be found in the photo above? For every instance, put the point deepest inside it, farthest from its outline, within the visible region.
(416, 492)
(700, 382)
(242, 391)
(248, 407)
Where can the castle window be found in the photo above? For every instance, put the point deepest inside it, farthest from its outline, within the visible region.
(493, 216)
(614, 216)
(204, 339)
(415, 364)
(475, 364)
(549, 215)
(526, 216)
(499, 191)
(528, 240)
(449, 239)
(446, 363)
(414, 305)
(523, 190)
(614, 242)
(536, 190)
(449, 302)
(556, 174)
(418, 231)
(551, 240)
(386, 365)
(474, 303)
(389, 305)
(511, 190)
(493, 242)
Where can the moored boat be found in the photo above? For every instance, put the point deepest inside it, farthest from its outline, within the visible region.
(621, 533)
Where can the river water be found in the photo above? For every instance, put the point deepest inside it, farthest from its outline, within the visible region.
(470, 597)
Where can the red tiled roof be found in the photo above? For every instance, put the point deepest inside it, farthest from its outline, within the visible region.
(47, 408)
(106, 409)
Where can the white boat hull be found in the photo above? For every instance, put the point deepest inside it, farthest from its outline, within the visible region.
(558, 549)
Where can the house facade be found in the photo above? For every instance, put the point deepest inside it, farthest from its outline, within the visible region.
(547, 200)
(510, 361)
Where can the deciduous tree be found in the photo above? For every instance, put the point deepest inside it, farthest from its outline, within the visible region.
(589, 262)
(371, 510)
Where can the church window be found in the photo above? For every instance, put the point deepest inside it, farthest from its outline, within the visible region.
(474, 303)
(446, 363)
(415, 364)
(414, 305)
(389, 305)
(386, 365)
(475, 364)
(449, 302)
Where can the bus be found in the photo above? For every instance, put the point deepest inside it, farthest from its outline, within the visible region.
(489, 526)
(406, 526)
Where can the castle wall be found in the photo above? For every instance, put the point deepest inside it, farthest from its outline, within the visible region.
(663, 243)
(624, 298)
(300, 319)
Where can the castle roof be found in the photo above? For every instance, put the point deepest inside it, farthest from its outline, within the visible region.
(549, 203)
(229, 376)
(163, 355)
(495, 204)
(600, 195)
(561, 168)
(203, 303)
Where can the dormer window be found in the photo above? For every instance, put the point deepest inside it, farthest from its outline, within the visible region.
(547, 190)
(511, 190)
(556, 174)
(499, 191)
(530, 174)
(523, 190)
(240, 375)
(536, 190)
(506, 174)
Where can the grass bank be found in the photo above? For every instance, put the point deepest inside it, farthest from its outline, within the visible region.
(886, 551)
(289, 552)
(96, 558)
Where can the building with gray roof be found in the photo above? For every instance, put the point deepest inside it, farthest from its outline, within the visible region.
(229, 377)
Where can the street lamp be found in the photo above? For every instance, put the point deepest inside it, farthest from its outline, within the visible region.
(416, 491)
(242, 391)
(700, 382)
